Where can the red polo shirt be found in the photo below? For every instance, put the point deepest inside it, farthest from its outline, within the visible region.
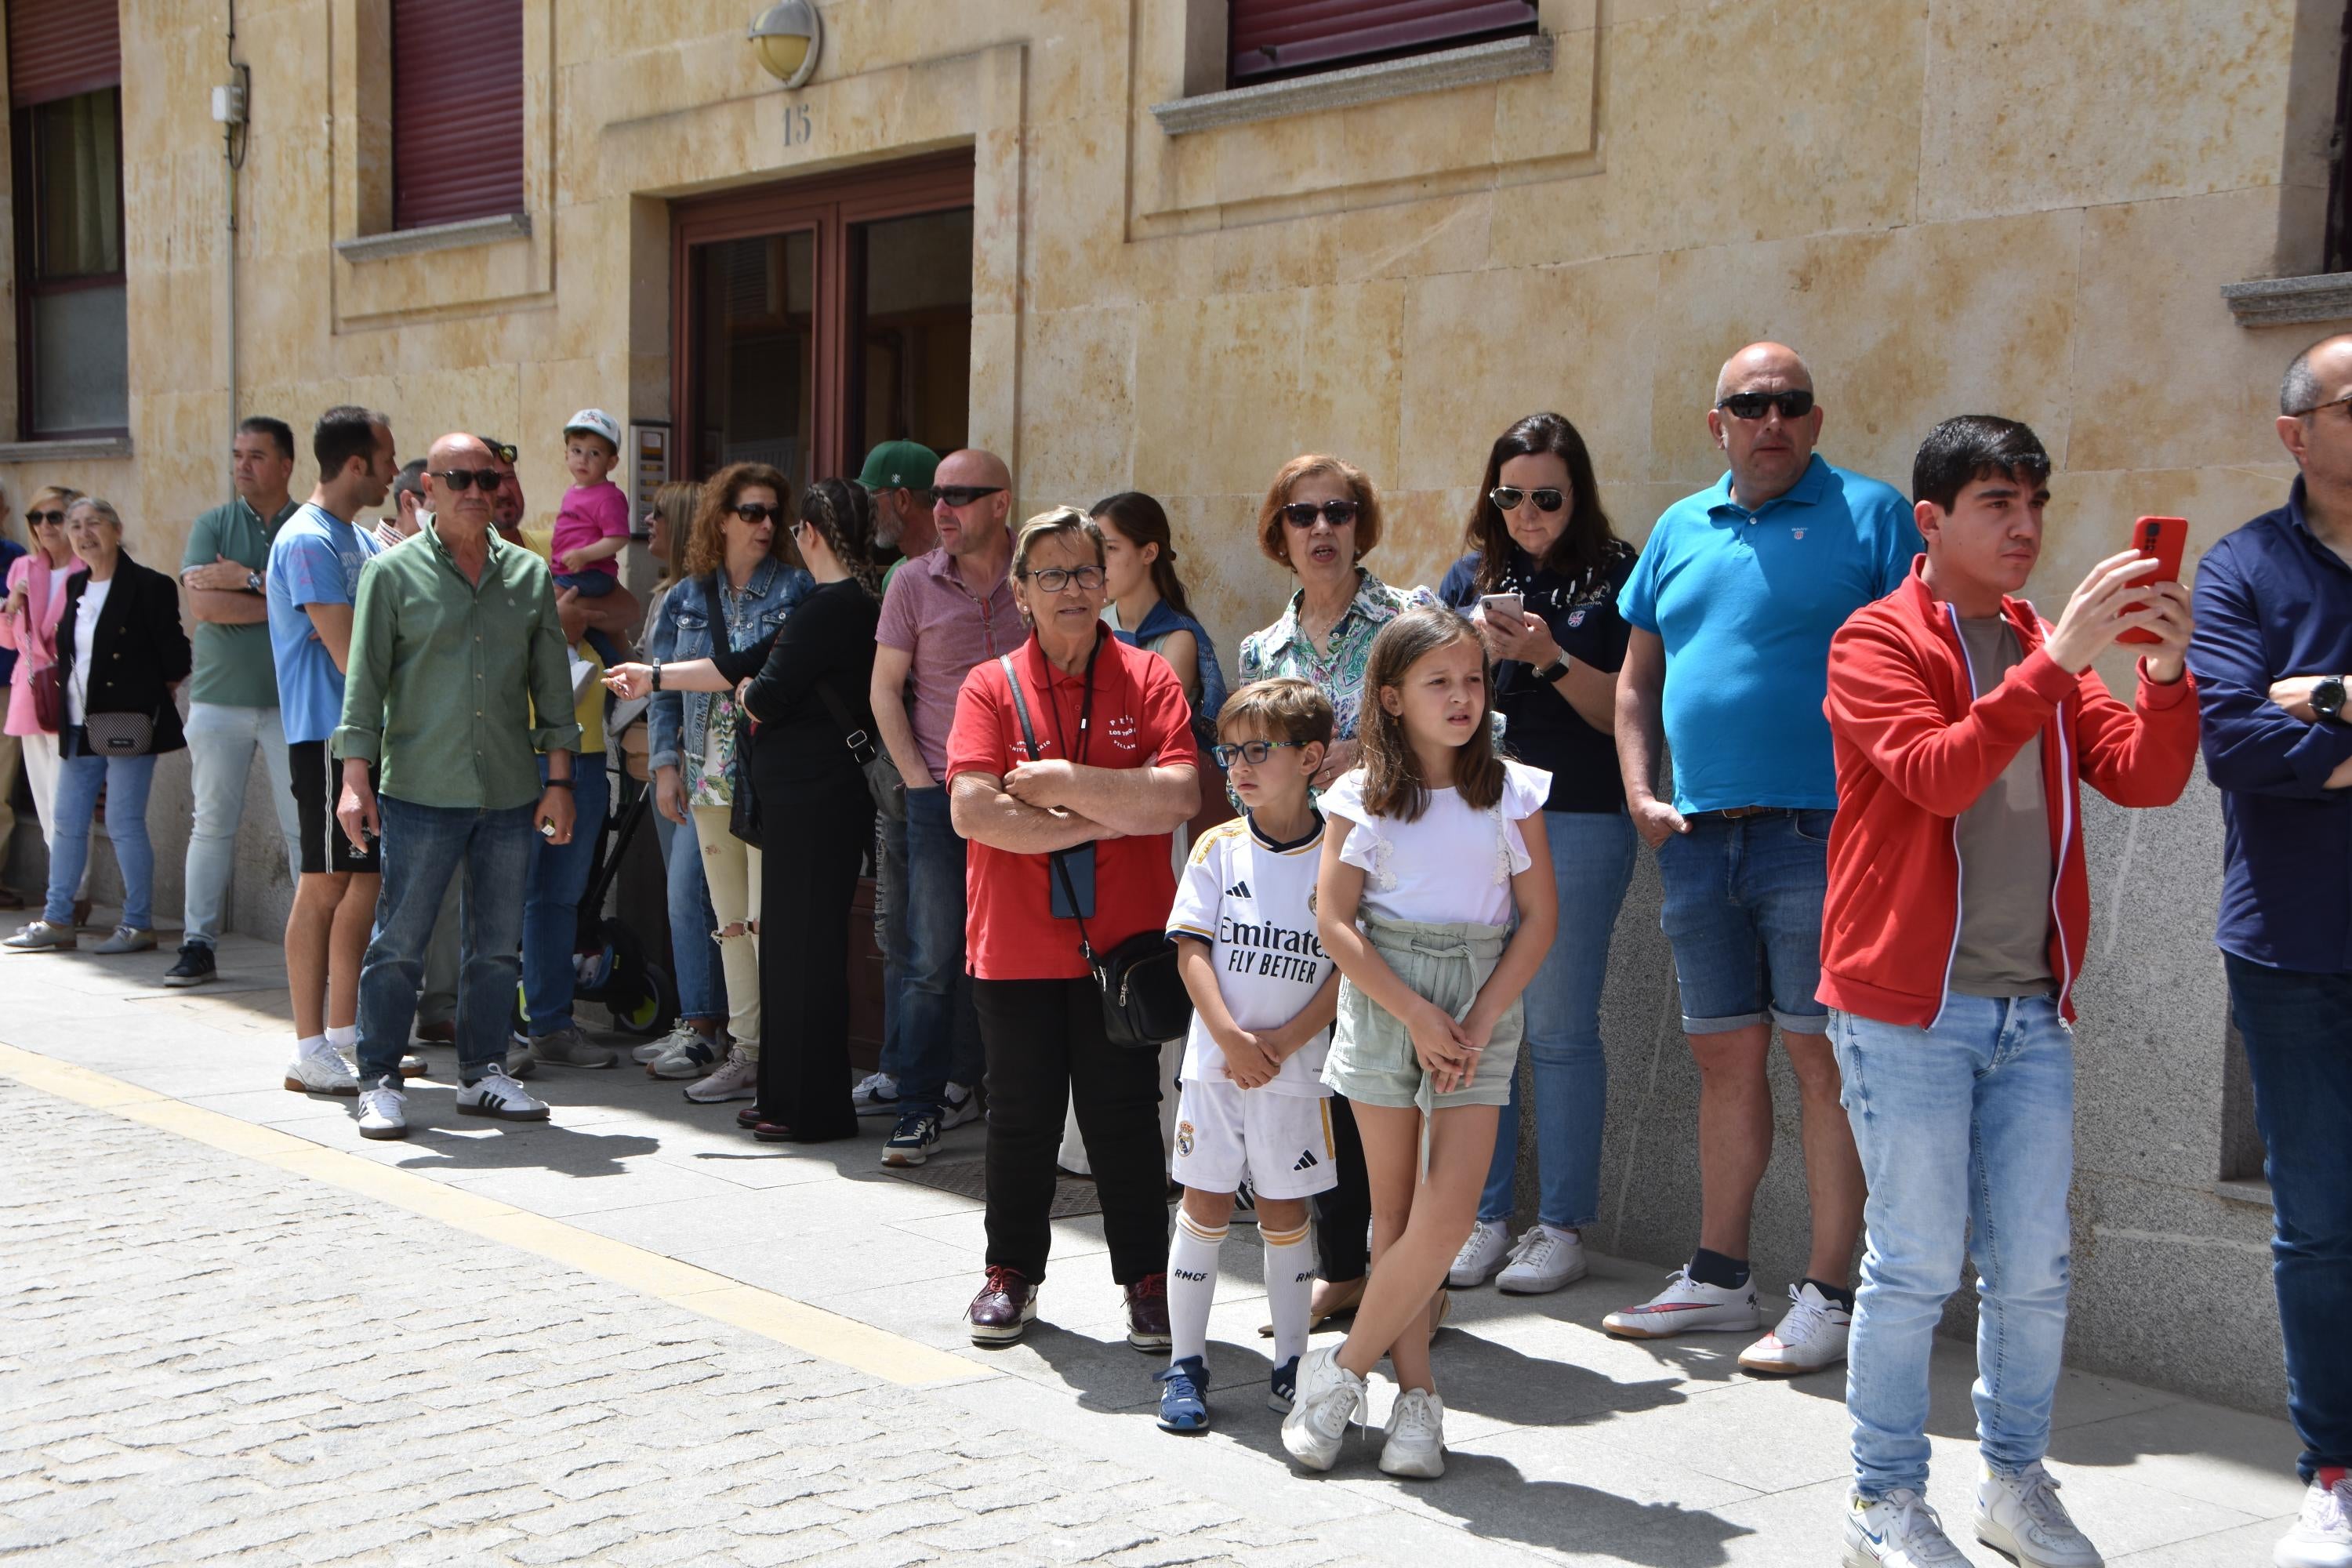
(1140, 721)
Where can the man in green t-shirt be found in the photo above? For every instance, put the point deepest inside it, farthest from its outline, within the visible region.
(233, 695)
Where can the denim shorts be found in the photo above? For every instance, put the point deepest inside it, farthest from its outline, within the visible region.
(1372, 1061)
(1743, 910)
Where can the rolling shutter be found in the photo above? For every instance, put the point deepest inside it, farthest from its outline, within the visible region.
(59, 48)
(1282, 37)
(457, 128)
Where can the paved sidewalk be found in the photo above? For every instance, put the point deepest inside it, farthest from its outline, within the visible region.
(1565, 1446)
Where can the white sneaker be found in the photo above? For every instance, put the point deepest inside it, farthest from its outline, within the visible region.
(494, 1094)
(1811, 1336)
(1416, 1445)
(1899, 1530)
(2019, 1516)
(876, 1094)
(1544, 1261)
(321, 1070)
(737, 1078)
(654, 1050)
(383, 1111)
(958, 1106)
(1684, 1307)
(2321, 1536)
(1328, 1397)
(690, 1055)
(1483, 1251)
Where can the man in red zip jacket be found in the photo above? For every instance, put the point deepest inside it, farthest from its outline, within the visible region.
(1956, 922)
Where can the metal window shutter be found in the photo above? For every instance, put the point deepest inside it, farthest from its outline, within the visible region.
(58, 48)
(1273, 37)
(456, 127)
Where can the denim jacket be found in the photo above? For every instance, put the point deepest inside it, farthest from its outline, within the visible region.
(682, 632)
(1157, 623)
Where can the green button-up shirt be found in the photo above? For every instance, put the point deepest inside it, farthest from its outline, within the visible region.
(445, 673)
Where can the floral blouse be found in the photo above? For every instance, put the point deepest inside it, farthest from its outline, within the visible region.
(1337, 672)
(706, 785)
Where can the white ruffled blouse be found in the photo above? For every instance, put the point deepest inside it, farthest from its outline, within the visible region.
(1456, 864)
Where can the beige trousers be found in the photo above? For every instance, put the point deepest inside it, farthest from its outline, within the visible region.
(732, 869)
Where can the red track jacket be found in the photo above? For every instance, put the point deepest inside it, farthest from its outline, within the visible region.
(1914, 749)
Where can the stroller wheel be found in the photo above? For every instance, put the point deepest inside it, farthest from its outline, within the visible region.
(651, 1006)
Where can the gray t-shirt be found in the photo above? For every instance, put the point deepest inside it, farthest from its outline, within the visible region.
(2004, 842)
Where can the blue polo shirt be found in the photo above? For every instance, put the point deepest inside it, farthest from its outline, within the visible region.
(314, 559)
(1746, 603)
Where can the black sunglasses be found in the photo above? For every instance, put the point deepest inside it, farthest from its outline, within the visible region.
(1793, 404)
(484, 479)
(1253, 752)
(1506, 497)
(963, 495)
(757, 512)
(1303, 513)
(38, 517)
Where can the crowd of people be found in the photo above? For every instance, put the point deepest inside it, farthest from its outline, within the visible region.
(1322, 913)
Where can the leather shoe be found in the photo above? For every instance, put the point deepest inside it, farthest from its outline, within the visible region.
(1343, 1299)
(1147, 1313)
(748, 1117)
(771, 1132)
(1007, 1303)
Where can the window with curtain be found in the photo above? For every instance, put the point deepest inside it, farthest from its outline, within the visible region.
(1269, 39)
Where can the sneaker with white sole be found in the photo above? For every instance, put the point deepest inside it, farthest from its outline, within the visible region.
(737, 1078)
(1684, 1307)
(958, 1106)
(654, 1050)
(690, 1055)
(127, 938)
(322, 1069)
(1416, 1437)
(383, 1111)
(1328, 1398)
(912, 1140)
(1542, 1261)
(568, 1047)
(1282, 1387)
(1898, 1531)
(876, 1094)
(2019, 1516)
(2321, 1534)
(1482, 1252)
(1811, 1336)
(495, 1095)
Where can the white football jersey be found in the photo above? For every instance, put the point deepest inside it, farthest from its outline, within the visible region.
(1253, 902)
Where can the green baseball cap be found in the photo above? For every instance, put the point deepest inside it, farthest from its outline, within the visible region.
(899, 466)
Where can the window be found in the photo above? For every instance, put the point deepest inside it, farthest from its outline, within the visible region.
(72, 364)
(457, 110)
(1267, 39)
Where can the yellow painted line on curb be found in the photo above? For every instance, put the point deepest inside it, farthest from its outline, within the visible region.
(891, 1357)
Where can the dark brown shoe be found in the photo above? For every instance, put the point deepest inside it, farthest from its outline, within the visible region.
(1007, 1302)
(1147, 1313)
(771, 1132)
(748, 1117)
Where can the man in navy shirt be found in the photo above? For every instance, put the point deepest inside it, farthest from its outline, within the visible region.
(2271, 653)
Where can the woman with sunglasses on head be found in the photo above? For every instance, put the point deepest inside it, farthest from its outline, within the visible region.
(1541, 580)
(34, 603)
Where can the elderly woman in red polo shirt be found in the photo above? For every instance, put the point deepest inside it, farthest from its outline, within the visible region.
(1114, 774)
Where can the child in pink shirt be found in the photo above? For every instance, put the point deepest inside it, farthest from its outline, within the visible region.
(592, 524)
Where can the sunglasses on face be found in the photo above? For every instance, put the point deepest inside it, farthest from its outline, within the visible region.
(37, 518)
(1506, 497)
(757, 513)
(1054, 579)
(1792, 404)
(486, 480)
(1303, 513)
(960, 496)
(1253, 752)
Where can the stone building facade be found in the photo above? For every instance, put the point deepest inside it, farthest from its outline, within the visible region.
(1949, 205)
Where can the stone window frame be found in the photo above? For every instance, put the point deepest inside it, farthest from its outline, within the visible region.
(2315, 183)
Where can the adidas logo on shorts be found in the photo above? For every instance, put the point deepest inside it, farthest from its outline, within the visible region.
(1307, 1162)
(1238, 890)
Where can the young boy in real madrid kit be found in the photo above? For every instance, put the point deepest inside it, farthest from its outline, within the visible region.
(1264, 993)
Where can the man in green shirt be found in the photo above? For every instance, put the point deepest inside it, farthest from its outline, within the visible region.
(455, 648)
(233, 695)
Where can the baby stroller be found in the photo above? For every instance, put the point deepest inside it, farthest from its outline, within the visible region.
(616, 970)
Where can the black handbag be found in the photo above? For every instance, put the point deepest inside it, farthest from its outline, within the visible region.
(873, 759)
(1144, 1001)
(742, 800)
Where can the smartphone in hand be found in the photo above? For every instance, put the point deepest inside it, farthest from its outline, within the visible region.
(2162, 539)
(1498, 607)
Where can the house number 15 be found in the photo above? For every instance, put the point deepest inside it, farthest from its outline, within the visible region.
(797, 124)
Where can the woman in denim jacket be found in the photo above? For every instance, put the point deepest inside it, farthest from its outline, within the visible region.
(740, 553)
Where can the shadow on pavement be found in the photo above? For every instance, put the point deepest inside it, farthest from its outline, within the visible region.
(521, 1146)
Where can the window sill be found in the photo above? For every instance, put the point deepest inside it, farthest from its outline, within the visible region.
(2251, 1191)
(2283, 302)
(68, 449)
(440, 237)
(1357, 85)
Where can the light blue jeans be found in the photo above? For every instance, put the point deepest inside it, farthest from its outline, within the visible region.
(550, 909)
(1591, 862)
(694, 957)
(126, 780)
(221, 743)
(1967, 1135)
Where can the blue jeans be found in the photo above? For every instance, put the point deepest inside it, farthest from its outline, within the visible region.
(890, 893)
(2298, 1032)
(1743, 910)
(1967, 1136)
(694, 957)
(126, 780)
(1591, 863)
(551, 908)
(222, 740)
(940, 1042)
(423, 847)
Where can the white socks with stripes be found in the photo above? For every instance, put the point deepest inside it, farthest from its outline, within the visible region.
(1191, 1285)
(1289, 1282)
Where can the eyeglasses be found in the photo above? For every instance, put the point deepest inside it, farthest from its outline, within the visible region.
(1253, 752)
(41, 516)
(1506, 497)
(756, 512)
(1793, 404)
(502, 452)
(1054, 579)
(963, 495)
(484, 479)
(1303, 513)
(2314, 408)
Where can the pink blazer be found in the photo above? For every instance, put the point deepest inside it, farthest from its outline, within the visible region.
(34, 636)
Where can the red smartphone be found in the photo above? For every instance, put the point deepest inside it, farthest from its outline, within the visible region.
(2162, 539)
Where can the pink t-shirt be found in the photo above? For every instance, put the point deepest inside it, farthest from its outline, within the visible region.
(929, 614)
(590, 512)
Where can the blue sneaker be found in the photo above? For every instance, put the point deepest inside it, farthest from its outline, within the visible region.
(1183, 1404)
(1284, 1388)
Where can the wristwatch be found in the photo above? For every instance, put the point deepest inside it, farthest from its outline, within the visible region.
(559, 783)
(1551, 673)
(2327, 700)
(253, 582)
(657, 675)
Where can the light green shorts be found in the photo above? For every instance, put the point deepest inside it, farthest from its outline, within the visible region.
(1373, 1061)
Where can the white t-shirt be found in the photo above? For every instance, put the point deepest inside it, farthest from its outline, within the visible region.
(94, 602)
(57, 575)
(1455, 865)
(1253, 902)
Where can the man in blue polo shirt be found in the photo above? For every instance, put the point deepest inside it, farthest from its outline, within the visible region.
(1732, 604)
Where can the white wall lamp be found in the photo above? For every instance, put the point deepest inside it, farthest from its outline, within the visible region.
(788, 37)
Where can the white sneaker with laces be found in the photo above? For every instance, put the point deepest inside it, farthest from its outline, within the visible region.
(1899, 1530)
(690, 1055)
(1811, 1336)
(737, 1078)
(654, 1050)
(1483, 1251)
(383, 1111)
(1328, 1398)
(1416, 1442)
(876, 1094)
(321, 1070)
(2019, 1516)
(1685, 1306)
(494, 1094)
(958, 1106)
(2321, 1536)
(1544, 1261)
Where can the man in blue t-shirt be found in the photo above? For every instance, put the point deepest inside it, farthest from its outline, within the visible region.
(1731, 606)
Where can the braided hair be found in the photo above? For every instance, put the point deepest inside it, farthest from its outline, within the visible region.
(843, 513)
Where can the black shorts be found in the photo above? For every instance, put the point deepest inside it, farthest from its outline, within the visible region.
(317, 784)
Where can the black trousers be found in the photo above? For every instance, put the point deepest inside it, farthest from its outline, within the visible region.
(1045, 1048)
(814, 834)
(1343, 1215)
